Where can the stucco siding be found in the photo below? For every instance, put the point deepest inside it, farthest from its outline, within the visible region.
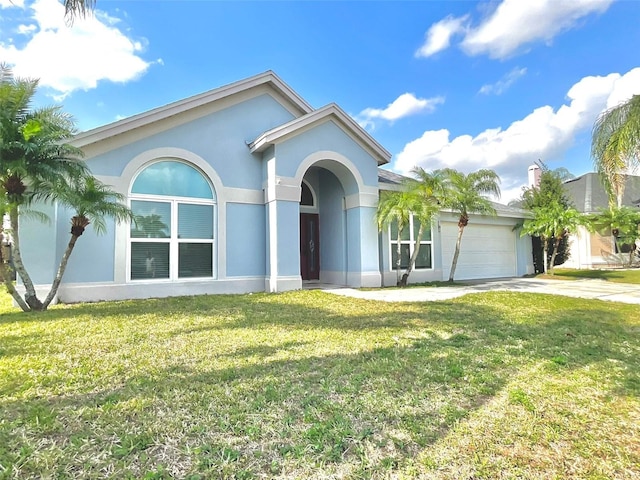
(246, 252)
(326, 136)
(220, 138)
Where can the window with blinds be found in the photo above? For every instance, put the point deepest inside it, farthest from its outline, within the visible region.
(172, 236)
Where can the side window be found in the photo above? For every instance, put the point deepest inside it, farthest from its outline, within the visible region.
(408, 238)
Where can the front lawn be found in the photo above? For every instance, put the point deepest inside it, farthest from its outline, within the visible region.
(311, 385)
(614, 275)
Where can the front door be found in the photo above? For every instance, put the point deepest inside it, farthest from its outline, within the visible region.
(309, 246)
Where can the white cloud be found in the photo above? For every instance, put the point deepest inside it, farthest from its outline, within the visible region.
(438, 37)
(405, 105)
(11, 3)
(68, 58)
(504, 83)
(513, 25)
(543, 134)
(27, 29)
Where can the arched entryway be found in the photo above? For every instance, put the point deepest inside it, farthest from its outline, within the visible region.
(324, 223)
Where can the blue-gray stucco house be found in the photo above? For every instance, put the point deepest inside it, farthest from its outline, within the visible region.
(244, 188)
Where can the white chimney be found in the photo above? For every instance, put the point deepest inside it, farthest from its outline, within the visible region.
(534, 176)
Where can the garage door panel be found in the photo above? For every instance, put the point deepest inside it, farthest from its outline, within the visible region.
(487, 251)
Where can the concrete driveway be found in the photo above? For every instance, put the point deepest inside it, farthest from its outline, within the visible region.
(585, 288)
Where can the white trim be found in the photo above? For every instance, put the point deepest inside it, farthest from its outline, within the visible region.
(322, 115)
(364, 279)
(244, 195)
(362, 199)
(321, 155)
(137, 164)
(92, 292)
(276, 284)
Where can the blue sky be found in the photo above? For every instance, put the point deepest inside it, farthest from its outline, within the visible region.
(459, 84)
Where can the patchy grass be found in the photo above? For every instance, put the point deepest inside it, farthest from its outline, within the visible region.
(615, 275)
(311, 385)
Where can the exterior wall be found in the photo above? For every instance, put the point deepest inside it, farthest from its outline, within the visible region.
(246, 252)
(256, 219)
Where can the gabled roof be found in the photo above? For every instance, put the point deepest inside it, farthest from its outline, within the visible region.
(326, 113)
(587, 193)
(297, 104)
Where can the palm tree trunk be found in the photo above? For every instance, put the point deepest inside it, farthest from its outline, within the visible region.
(61, 268)
(414, 256)
(30, 295)
(456, 253)
(8, 283)
(398, 254)
(552, 262)
(545, 253)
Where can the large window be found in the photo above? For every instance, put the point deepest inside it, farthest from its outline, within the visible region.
(407, 245)
(172, 236)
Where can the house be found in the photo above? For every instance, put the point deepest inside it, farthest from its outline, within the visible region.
(587, 194)
(247, 188)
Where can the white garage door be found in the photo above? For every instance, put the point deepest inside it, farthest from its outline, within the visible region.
(487, 251)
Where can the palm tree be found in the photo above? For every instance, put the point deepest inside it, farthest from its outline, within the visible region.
(33, 150)
(429, 191)
(552, 222)
(91, 201)
(615, 146)
(74, 8)
(465, 195)
(394, 208)
(622, 223)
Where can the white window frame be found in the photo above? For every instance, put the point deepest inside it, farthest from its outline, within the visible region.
(411, 242)
(173, 239)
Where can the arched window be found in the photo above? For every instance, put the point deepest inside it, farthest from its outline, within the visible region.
(307, 196)
(172, 236)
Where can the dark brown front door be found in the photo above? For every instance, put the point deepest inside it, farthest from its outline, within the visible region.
(309, 246)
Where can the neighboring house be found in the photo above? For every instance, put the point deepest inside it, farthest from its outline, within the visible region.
(491, 245)
(587, 194)
(246, 188)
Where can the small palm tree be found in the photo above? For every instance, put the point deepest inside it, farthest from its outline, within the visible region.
(466, 194)
(615, 146)
(394, 207)
(622, 223)
(429, 191)
(92, 201)
(552, 222)
(33, 150)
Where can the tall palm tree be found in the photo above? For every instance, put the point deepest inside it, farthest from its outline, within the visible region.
(466, 194)
(91, 201)
(33, 150)
(394, 208)
(615, 146)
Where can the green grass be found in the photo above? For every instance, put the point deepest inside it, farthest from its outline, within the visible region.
(311, 385)
(617, 275)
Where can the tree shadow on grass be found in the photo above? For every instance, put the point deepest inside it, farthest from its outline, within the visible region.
(283, 403)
